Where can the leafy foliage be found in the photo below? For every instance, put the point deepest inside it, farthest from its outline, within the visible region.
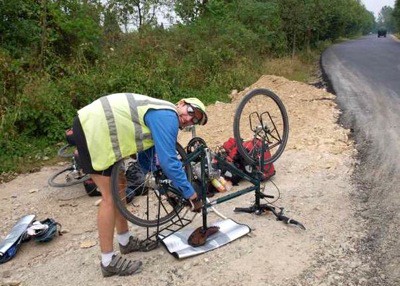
(19, 26)
(396, 15)
(308, 22)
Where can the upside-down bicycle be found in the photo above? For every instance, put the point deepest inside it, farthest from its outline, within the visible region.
(260, 116)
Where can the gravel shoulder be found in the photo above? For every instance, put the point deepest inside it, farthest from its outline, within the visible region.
(314, 180)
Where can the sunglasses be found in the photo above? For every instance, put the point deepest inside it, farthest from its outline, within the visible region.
(191, 112)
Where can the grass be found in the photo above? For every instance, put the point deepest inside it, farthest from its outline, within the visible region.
(292, 69)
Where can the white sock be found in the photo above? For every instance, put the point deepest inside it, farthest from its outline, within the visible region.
(106, 258)
(123, 238)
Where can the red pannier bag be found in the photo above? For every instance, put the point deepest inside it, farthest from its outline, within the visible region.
(233, 156)
(269, 169)
(231, 149)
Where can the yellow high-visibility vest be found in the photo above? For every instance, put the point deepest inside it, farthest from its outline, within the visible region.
(114, 126)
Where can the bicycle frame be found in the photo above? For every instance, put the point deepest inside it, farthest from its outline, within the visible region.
(201, 152)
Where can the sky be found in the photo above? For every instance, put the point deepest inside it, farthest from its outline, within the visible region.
(375, 6)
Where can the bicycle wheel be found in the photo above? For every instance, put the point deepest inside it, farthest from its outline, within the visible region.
(151, 202)
(261, 117)
(66, 151)
(67, 177)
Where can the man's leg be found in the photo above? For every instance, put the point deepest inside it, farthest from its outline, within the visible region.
(107, 219)
(106, 213)
(128, 243)
(121, 223)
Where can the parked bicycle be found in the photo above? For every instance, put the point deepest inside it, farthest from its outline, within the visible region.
(70, 175)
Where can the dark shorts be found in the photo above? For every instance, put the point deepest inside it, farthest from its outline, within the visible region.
(84, 157)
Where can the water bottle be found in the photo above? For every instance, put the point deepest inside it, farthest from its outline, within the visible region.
(227, 185)
(218, 185)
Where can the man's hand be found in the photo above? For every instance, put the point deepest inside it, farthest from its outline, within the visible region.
(196, 203)
(193, 197)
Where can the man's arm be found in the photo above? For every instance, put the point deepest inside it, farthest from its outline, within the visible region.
(164, 126)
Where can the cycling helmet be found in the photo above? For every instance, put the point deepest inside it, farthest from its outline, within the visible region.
(196, 103)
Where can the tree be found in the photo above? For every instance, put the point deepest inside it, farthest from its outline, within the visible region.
(19, 26)
(296, 21)
(111, 28)
(75, 29)
(386, 19)
(134, 14)
(396, 15)
(189, 10)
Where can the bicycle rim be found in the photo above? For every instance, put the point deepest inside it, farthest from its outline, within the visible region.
(149, 203)
(66, 151)
(261, 117)
(67, 177)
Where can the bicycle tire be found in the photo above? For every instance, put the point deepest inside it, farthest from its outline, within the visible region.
(56, 180)
(267, 108)
(63, 151)
(151, 208)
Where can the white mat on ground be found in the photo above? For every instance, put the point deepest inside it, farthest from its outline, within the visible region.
(178, 246)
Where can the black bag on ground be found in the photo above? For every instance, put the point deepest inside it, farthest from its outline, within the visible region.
(135, 180)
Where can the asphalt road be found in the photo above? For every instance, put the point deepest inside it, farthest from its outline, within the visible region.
(365, 76)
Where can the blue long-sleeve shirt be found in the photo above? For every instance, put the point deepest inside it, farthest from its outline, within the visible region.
(164, 127)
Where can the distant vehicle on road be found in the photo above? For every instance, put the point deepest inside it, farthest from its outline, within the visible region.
(382, 32)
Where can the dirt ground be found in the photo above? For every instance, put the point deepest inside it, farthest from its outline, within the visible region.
(314, 180)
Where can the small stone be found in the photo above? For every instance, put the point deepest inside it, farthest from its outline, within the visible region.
(6, 274)
(31, 191)
(88, 243)
(362, 281)
(97, 203)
